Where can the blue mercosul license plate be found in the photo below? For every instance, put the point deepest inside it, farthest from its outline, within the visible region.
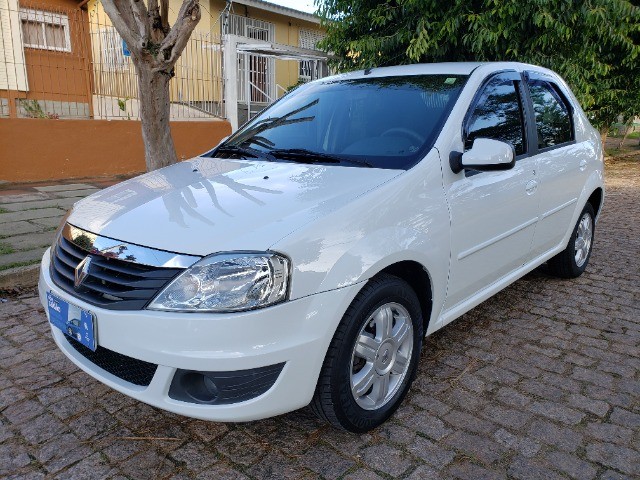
(74, 321)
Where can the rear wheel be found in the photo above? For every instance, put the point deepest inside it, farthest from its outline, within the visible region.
(373, 357)
(571, 262)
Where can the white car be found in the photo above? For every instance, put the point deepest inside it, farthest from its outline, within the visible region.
(304, 259)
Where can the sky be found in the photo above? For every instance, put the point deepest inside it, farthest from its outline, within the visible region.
(302, 5)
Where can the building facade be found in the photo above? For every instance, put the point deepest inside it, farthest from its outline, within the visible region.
(64, 59)
(44, 59)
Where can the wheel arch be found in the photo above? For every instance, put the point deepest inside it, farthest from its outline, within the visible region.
(596, 199)
(418, 278)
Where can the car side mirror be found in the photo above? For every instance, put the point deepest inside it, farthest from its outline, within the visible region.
(485, 155)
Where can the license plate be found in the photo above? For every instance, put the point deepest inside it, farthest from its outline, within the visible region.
(72, 320)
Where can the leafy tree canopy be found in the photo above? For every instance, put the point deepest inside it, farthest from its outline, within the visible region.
(593, 44)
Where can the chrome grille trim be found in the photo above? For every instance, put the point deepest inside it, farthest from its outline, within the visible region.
(126, 252)
(119, 275)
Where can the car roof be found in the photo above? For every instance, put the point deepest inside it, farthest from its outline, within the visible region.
(444, 68)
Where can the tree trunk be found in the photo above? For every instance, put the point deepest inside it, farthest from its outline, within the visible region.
(154, 104)
(604, 133)
(627, 130)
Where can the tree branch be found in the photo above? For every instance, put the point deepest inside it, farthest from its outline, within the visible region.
(164, 14)
(141, 18)
(123, 21)
(157, 31)
(172, 46)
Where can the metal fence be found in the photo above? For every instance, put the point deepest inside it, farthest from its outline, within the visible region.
(44, 69)
(256, 74)
(72, 63)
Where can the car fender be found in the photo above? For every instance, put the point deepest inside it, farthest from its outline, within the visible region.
(403, 219)
(379, 250)
(594, 181)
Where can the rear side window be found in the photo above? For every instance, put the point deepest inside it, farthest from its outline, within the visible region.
(553, 115)
(498, 115)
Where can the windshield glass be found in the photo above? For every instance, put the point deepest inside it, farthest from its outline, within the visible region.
(388, 122)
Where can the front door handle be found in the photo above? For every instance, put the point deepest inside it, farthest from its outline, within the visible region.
(531, 187)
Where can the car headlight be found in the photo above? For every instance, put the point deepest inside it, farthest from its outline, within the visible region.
(228, 282)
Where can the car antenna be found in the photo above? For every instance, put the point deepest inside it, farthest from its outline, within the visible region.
(367, 70)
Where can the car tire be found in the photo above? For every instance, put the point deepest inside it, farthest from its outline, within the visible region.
(373, 356)
(573, 260)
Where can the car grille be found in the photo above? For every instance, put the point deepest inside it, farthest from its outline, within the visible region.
(128, 369)
(111, 283)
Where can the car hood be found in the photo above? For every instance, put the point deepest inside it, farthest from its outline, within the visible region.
(204, 205)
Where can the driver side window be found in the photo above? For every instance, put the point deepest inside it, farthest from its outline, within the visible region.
(498, 115)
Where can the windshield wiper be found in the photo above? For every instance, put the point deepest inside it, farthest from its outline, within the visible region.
(307, 156)
(245, 151)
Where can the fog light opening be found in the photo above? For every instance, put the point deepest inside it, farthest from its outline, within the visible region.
(199, 387)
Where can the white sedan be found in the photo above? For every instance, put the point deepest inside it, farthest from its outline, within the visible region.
(304, 259)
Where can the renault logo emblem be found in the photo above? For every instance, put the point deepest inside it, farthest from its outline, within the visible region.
(82, 271)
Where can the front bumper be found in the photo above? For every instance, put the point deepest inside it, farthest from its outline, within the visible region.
(296, 333)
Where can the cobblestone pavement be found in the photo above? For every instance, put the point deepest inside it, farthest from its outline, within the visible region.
(540, 382)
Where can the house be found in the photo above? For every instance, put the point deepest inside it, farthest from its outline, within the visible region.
(64, 59)
(198, 89)
(44, 58)
(259, 20)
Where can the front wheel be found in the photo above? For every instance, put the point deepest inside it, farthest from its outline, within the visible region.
(571, 262)
(373, 357)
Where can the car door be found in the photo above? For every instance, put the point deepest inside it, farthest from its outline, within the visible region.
(493, 214)
(562, 163)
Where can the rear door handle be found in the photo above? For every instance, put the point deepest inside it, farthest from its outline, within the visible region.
(531, 187)
(583, 164)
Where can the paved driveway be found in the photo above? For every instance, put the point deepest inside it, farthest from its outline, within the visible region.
(542, 381)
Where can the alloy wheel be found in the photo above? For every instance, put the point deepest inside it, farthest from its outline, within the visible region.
(584, 236)
(381, 356)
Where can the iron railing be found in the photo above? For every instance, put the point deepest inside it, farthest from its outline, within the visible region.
(65, 62)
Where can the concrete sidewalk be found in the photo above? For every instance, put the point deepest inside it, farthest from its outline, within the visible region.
(29, 217)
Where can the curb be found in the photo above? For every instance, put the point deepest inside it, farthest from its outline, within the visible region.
(20, 277)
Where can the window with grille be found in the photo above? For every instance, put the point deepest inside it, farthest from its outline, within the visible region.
(248, 27)
(45, 30)
(309, 39)
(256, 73)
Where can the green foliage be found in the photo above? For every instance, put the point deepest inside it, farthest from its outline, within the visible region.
(122, 105)
(34, 110)
(593, 44)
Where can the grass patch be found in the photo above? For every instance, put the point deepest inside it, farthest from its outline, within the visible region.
(623, 152)
(42, 208)
(18, 264)
(3, 210)
(5, 249)
(631, 135)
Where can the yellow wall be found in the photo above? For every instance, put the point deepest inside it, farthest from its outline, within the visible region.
(120, 84)
(201, 81)
(286, 29)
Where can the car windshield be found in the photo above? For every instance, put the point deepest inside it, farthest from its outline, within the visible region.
(384, 122)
